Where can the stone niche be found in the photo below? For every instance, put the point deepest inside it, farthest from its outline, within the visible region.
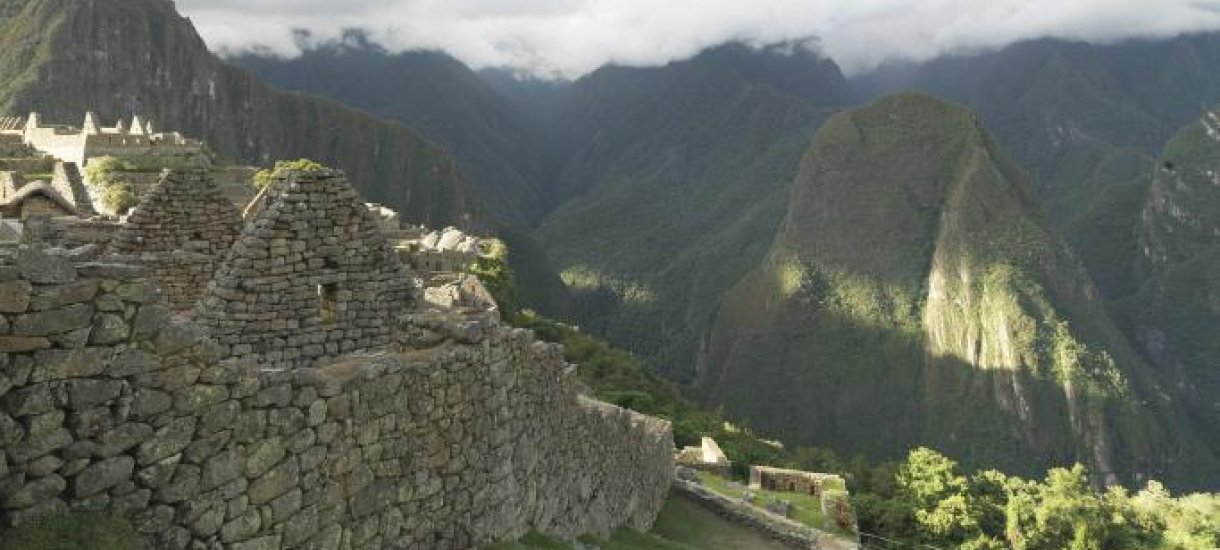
(181, 230)
(312, 276)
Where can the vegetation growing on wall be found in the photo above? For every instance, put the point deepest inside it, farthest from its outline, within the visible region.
(108, 175)
(264, 177)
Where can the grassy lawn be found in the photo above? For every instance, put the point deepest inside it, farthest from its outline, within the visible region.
(681, 525)
(806, 509)
(695, 527)
(73, 531)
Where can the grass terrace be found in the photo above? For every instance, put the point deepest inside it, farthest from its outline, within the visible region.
(806, 509)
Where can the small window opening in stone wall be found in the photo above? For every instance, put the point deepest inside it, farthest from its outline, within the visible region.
(328, 305)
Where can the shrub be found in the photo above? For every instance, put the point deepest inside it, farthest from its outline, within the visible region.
(264, 177)
(119, 197)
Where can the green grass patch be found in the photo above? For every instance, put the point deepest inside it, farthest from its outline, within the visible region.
(686, 523)
(83, 530)
(806, 509)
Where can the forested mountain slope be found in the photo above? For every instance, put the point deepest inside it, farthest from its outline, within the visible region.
(915, 294)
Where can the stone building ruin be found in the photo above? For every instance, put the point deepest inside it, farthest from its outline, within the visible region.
(78, 145)
(449, 250)
(108, 402)
(792, 481)
(63, 194)
(182, 229)
(707, 457)
(317, 398)
(67, 181)
(312, 276)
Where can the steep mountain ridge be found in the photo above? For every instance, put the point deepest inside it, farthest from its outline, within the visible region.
(667, 186)
(915, 294)
(676, 179)
(662, 188)
(496, 146)
(1175, 315)
(124, 57)
(1087, 121)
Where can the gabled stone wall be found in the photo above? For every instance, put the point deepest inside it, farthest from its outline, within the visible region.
(182, 229)
(312, 276)
(104, 401)
(66, 180)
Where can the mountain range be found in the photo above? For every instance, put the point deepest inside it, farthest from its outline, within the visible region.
(1026, 276)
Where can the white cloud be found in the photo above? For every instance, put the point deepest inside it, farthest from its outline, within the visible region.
(572, 37)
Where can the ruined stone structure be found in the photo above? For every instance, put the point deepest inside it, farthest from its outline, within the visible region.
(36, 199)
(792, 481)
(67, 231)
(775, 526)
(182, 229)
(706, 457)
(68, 183)
(11, 143)
(78, 145)
(63, 195)
(106, 401)
(10, 182)
(447, 251)
(312, 276)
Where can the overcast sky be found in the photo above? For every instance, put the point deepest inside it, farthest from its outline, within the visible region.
(572, 37)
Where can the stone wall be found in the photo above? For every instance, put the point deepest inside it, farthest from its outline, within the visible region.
(105, 401)
(182, 229)
(312, 276)
(10, 183)
(67, 181)
(71, 231)
(778, 528)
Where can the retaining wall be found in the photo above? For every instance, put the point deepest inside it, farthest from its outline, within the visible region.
(778, 528)
(106, 402)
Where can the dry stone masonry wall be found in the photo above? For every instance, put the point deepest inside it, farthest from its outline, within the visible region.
(312, 276)
(67, 181)
(104, 401)
(182, 229)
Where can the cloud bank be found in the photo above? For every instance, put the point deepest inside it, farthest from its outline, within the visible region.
(572, 37)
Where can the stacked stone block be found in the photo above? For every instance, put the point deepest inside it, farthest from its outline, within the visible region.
(104, 401)
(67, 181)
(312, 276)
(182, 230)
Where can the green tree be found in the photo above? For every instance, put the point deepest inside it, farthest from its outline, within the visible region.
(929, 481)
